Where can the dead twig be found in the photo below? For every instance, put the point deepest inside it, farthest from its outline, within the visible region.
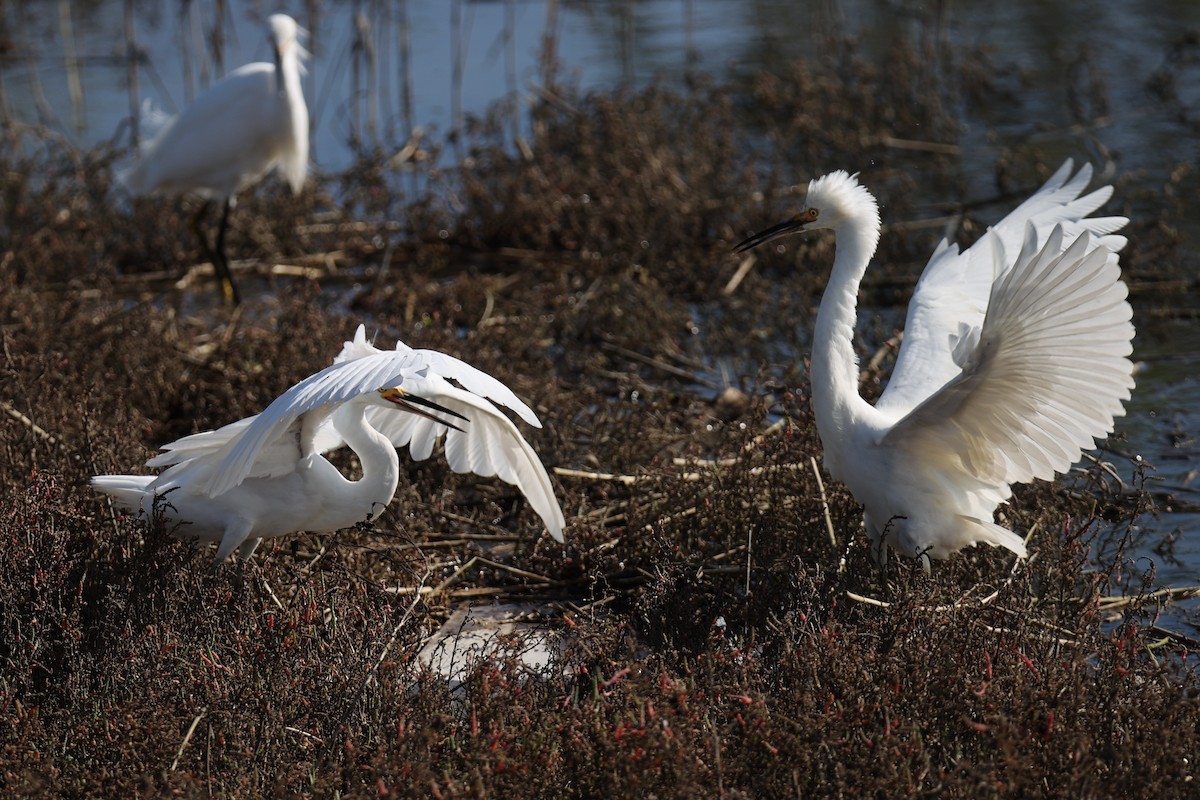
(1169, 594)
(742, 271)
(824, 502)
(28, 423)
(187, 738)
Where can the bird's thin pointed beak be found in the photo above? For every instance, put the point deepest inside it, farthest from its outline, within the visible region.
(408, 402)
(774, 232)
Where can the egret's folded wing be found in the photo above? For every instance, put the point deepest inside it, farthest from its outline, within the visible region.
(1048, 375)
(488, 444)
(278, 455)
(198, 465)
(197, 142)
(199, 453)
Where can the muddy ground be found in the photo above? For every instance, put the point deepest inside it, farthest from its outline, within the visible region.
(720, 628)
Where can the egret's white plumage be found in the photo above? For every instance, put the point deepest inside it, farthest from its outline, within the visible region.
(266, 475)
(1015, 359)
(252, 121)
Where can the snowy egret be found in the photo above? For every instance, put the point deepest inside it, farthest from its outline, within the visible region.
(266, 476)
(1014, 360)
(234, 133)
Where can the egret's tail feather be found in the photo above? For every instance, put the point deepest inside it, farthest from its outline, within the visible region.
(976, 531)
(127, 490)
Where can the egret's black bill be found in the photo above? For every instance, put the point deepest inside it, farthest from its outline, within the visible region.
(773, 232)
(409, 402)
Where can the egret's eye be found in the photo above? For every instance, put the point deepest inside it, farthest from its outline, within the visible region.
(812, 213)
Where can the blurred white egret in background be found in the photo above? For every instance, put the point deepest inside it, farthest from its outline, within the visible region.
(236, 131)
(265, 475)
(1014, 360)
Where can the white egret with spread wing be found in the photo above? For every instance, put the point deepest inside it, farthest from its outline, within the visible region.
(252, 121)
(1015, 359)
(266, 475)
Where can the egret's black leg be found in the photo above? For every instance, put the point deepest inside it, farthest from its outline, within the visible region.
(216, 257)
(221, 263)
(198, 230)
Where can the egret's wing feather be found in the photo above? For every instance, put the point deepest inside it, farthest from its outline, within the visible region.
(488, 444)
(475, 381)
(193, 459)
(952, 296)
(152, 122)
(330, 387)
(199, 445)
(358, 347)
(1049, 374)
(339, 383)
(191, 455)
(1058, 202)
(277, 455)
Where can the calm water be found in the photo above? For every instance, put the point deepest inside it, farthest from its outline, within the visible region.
(380, 69)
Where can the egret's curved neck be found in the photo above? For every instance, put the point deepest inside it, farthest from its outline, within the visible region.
(287, 71)
(293, 156)
(836, 402)
(380, 465)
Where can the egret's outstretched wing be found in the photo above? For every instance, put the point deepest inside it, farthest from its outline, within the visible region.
(1047, 375)
(488, 444)
(200, 451)
(472, 379)
(336, 384)
(951, 299)
(199, 445)
(358, 347)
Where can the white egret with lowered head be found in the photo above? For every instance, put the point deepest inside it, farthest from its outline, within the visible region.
(239, 129)
(266, 476)
(1015, 359)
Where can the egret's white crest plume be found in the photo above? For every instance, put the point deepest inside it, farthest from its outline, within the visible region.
(252, 121)
(1015, 359)
(266, 476)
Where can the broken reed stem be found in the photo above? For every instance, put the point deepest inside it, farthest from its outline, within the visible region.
(630, 480)
(1169, 594)
(423, 590)
(187, 738)
(658, 364)
(28, 423)
(498, 534)
(824, 503)
(742, 271)
(474, 591)
(271, 592)
(749, 555)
